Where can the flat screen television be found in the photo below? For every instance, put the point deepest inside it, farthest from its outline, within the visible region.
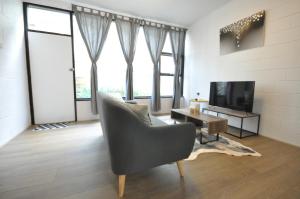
(233, 95)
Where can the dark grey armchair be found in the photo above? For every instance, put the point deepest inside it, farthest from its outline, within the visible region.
(135, 146)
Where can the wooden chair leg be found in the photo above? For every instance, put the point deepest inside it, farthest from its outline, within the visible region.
(180, 167)
(121, 185)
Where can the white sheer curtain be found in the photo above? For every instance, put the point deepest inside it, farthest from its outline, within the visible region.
(155, 38)
(128, 31)
(177, 38)
(93, 26)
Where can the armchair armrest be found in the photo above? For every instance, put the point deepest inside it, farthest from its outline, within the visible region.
(171, 143)
(148, 147)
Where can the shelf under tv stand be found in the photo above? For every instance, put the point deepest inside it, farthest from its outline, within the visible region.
(238, 114)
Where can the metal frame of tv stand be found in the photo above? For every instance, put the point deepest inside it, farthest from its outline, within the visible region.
(242, 122)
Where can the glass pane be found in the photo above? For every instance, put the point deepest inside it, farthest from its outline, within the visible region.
(166, 85)
(112, 65)
(48, 20)
(167, 64)
(167, 47)
(82, 65)
(142, 68)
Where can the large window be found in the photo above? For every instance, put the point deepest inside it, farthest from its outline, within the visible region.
(82, 65)
(142, 68)
(112, 67)
(167, 70)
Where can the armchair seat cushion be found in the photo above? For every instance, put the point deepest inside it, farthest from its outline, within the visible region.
(157, 122)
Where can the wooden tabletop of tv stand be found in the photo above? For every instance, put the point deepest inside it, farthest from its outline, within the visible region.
(241, 114)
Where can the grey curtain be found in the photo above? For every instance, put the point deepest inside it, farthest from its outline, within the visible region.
(93, 28)
(155, 38)
(128, 31)
(177, 38)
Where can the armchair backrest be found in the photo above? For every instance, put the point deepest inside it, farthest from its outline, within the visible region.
(115, 117)
(117, 122)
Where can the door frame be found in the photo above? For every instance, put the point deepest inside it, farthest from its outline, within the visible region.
(26, 30)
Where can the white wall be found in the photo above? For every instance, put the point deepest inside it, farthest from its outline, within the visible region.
(84, 112)
(14, 103)
(275, 67)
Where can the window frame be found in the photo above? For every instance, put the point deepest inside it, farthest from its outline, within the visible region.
(89, 98)
(167, 54)
(79, 99)
(181, 75)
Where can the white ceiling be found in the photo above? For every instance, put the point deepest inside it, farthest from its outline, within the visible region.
(179, 12)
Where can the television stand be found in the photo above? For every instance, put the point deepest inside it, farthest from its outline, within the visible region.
(238, 114)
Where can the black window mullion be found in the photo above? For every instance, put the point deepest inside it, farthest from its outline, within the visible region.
(47, 32)
(166, 74)
(166, 54)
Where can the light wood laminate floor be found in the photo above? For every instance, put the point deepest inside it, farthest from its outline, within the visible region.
(72, 163)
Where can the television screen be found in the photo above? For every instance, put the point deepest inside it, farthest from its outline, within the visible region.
(233, 95)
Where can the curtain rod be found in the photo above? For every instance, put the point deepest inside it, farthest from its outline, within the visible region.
(116, 15)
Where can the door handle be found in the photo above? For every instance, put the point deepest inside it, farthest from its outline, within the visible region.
(72, 69)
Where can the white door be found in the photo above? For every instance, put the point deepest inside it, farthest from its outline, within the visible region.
(52, 80)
